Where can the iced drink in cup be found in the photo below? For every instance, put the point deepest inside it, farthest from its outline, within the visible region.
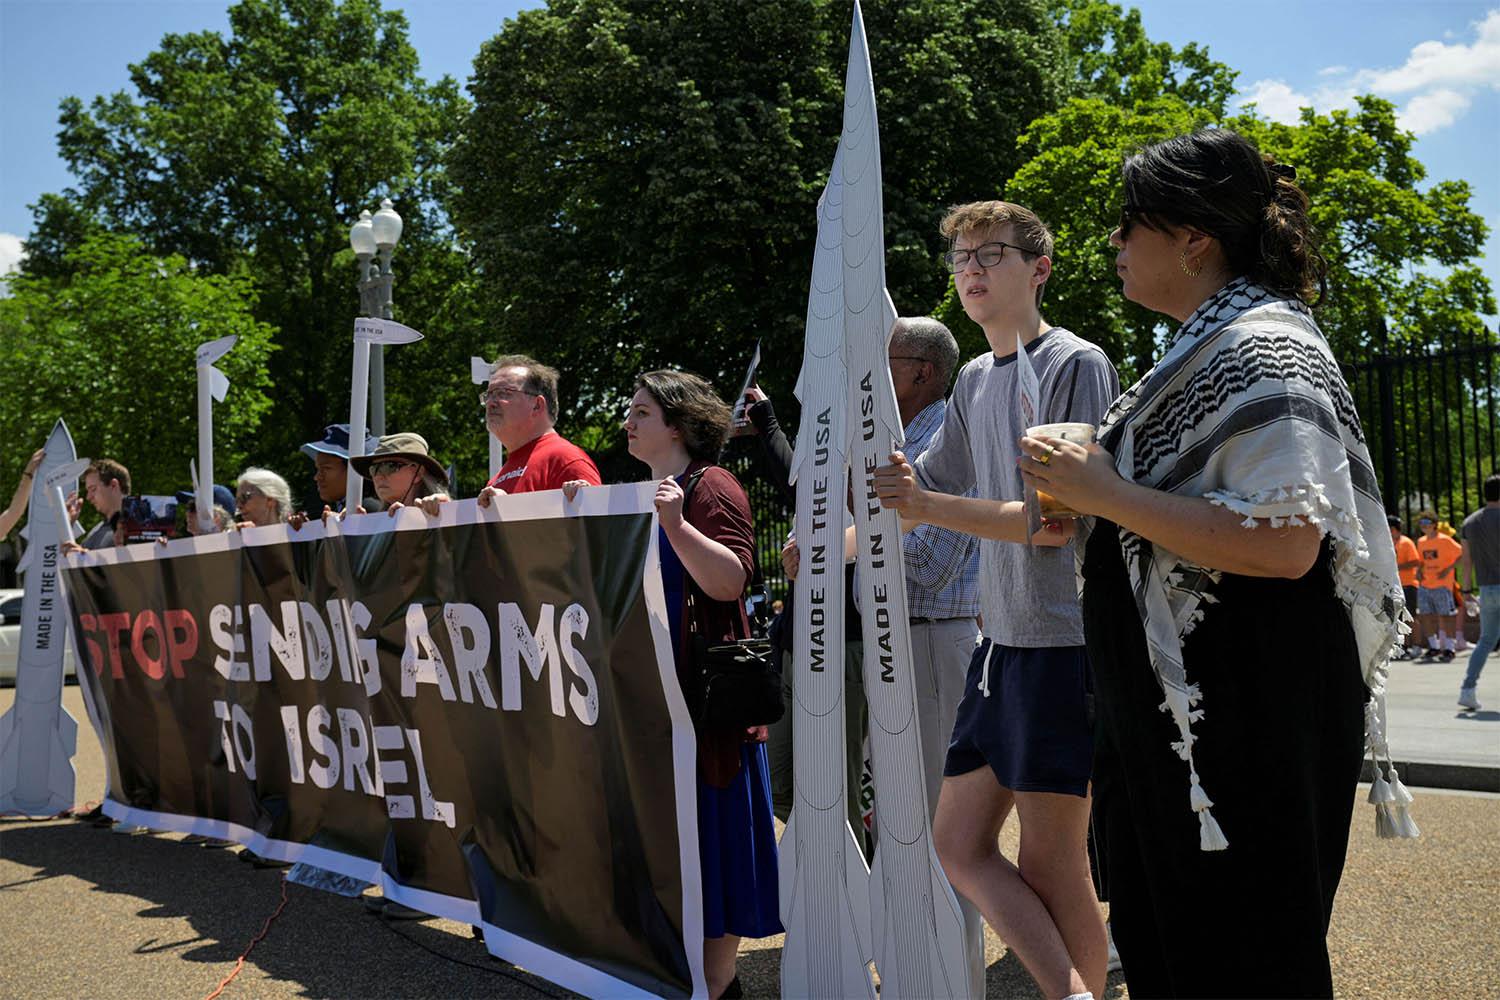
(1076, 433)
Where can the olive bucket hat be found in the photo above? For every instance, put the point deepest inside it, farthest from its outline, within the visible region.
(412, 447)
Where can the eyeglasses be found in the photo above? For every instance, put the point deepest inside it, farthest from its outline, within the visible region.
(387, 468)
(245, 496)
(988, 254)
(501, 390)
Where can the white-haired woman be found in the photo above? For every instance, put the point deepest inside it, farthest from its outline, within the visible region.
(262, 497)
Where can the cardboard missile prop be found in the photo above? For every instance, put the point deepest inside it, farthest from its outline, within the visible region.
(367, 331)
(480, 371)
(37, 736)
(213, 386)
(824, 884)
(915, 921)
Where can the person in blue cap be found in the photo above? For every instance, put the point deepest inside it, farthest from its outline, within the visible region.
(330, 458)
(223, 508)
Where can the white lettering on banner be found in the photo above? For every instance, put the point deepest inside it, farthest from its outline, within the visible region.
(286, 642)
(238, 740)
(355, 746)
(363, 759)
(319, 645)
(339, 747)
(325, 773)
(225, 628)
(585, 703)
(469, 635)
(421, 663)
(305, 646)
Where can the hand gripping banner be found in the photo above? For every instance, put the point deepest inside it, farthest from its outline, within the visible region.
(478, 713)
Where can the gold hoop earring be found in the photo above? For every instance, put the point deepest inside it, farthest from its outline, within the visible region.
(1183, 263)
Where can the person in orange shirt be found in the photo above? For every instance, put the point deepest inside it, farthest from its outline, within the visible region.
(1407, 562)
(1435, 607)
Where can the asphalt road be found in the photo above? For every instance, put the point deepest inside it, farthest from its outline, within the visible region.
(86, 912)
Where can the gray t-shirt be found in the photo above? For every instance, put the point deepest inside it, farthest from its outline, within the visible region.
(1028, 599)
(1482, 533)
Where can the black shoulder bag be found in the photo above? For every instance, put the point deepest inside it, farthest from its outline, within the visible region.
(738, 683)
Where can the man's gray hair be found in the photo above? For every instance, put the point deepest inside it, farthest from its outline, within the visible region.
(926, 338)
(273, 486)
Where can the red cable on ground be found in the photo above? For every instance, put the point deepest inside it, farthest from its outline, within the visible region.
(239, 965)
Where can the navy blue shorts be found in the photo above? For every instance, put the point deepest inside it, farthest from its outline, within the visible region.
(1027, 718)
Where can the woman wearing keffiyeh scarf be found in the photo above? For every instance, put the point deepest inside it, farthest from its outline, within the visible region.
(1240, 594)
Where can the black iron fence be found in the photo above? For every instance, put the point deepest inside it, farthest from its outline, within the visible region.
(1429, 414)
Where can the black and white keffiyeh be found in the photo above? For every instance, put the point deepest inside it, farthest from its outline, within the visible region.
(1248, 409)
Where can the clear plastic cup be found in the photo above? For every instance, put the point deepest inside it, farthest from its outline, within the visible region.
(1077, 433)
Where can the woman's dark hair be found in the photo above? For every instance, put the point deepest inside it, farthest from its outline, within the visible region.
(1215, 181)
(690, 404)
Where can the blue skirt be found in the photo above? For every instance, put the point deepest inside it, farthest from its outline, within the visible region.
(737, 848)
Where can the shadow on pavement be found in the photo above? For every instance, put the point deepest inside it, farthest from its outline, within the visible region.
(323, 943)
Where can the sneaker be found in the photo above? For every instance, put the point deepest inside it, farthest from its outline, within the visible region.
(1428, 655)
(1447, 656)
(1468, 698)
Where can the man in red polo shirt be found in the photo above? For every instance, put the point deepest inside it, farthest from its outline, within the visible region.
(520, 407)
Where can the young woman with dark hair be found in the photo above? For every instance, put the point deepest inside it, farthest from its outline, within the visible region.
(1233, 506)
(676, 424)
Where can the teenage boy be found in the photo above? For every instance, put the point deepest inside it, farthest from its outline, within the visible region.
(1022, 737)
(1436, 609)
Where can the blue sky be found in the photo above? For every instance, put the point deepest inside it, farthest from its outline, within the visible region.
(1437, 60)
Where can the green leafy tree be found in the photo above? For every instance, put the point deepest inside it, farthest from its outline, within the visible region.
(109, 347)
(1072, 180)
(1373, 219)
(638, 181)
(255, 151)
(1127, 91)
(1403, 278)
(1112, 59)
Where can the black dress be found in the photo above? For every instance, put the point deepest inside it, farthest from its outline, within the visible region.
(1278, 750)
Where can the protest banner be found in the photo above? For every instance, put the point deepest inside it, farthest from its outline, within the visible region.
(478, 712)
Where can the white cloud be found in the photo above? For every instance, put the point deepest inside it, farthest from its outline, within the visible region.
(1438, 64)
(1438, 82)
(11, 256)
(1277, 101)
(1433, 110)
(11, 253)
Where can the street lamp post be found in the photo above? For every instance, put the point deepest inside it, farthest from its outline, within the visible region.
(373, 238)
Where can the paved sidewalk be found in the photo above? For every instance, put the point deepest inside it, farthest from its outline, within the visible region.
(84, 912)
(1456, 748)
